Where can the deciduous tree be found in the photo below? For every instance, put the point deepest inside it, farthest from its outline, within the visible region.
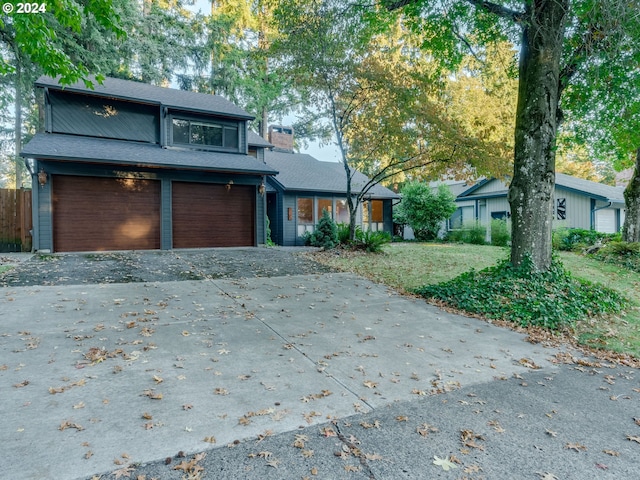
(564, 44)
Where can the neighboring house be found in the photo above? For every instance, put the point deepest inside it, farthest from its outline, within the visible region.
(133, 166)
(305, 186)
(577, 203)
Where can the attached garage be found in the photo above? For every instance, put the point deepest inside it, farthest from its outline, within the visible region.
(606, 220)
(101, 213)
(213, 215)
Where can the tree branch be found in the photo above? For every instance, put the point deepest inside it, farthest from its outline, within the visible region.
(490, 7)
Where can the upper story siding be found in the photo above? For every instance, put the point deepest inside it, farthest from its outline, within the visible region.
(131, 111)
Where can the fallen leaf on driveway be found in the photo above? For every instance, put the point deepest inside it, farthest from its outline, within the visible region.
(444, 463)
(69, 424)
(633, 439)
(575, 446)
(547, 476)
(123, 472)
(152, 394)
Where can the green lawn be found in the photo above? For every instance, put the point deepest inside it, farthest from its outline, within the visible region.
(406, 266)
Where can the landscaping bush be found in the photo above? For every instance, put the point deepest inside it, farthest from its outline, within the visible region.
(371, 241)
(624, 254)
(500, 235)
(551, 299)
(343, 233)
(577, 239)
(325, 234)
(472, 232)
(424, 210)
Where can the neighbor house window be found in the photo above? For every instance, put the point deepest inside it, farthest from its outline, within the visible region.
(462, 216)
(305, 215)
(211, 134)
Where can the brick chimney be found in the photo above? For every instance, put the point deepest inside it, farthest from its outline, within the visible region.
(281, 137)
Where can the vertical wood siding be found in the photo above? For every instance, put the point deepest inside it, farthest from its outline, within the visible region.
(15, 220)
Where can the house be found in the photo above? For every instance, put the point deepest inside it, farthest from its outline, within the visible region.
(127, 165)
(578, 203)
(304, 186)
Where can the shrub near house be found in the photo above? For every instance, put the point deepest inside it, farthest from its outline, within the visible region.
(423, 210)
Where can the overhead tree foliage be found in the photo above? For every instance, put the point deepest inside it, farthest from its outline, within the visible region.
(564, 46)
(379, 93)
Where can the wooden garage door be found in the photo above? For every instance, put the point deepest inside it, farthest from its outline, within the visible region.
(91, 213)
(210, 215)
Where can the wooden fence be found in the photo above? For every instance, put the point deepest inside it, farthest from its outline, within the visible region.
(15, 220)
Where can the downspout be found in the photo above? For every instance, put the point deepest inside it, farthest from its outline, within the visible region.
(593, 214)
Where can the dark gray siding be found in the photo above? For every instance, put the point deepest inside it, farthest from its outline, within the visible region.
(44, 215)
(166, 237)
(290, 227)
(387, 206)
(261, 218)
(289, 231)
(103, 117)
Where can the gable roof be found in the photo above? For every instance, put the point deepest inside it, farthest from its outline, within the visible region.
(143, 92)
(302, 172)
(595, 190)
(120, 152)
(256, 140)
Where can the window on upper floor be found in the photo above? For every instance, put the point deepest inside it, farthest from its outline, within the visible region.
(208, 134)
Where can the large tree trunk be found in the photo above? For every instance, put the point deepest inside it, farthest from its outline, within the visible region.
(631, 229)
(532, 186)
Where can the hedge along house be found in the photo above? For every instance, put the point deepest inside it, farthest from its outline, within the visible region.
(578, 203)
(133, 166)
(304, 186)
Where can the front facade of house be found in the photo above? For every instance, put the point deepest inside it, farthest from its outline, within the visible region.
(304, 187)
(578, 203)
(129, 166)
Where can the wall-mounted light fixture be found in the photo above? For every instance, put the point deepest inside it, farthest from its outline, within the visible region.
(228, 185)
(261, 189)
(42, 177)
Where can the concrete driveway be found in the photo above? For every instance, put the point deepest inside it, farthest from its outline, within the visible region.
(133, 380)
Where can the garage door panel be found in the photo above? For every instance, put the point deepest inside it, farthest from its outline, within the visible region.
(92, 213)
(210, 215)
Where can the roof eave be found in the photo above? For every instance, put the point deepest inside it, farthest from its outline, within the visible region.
(164, 166)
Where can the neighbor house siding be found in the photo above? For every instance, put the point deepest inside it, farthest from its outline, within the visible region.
(103, 117)
(578, 210)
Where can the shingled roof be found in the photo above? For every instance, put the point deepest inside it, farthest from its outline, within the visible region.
(119, 152)
(595, 190)
(302, 172)
(143, 92)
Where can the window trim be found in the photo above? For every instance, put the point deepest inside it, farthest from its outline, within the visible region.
(205, 122)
